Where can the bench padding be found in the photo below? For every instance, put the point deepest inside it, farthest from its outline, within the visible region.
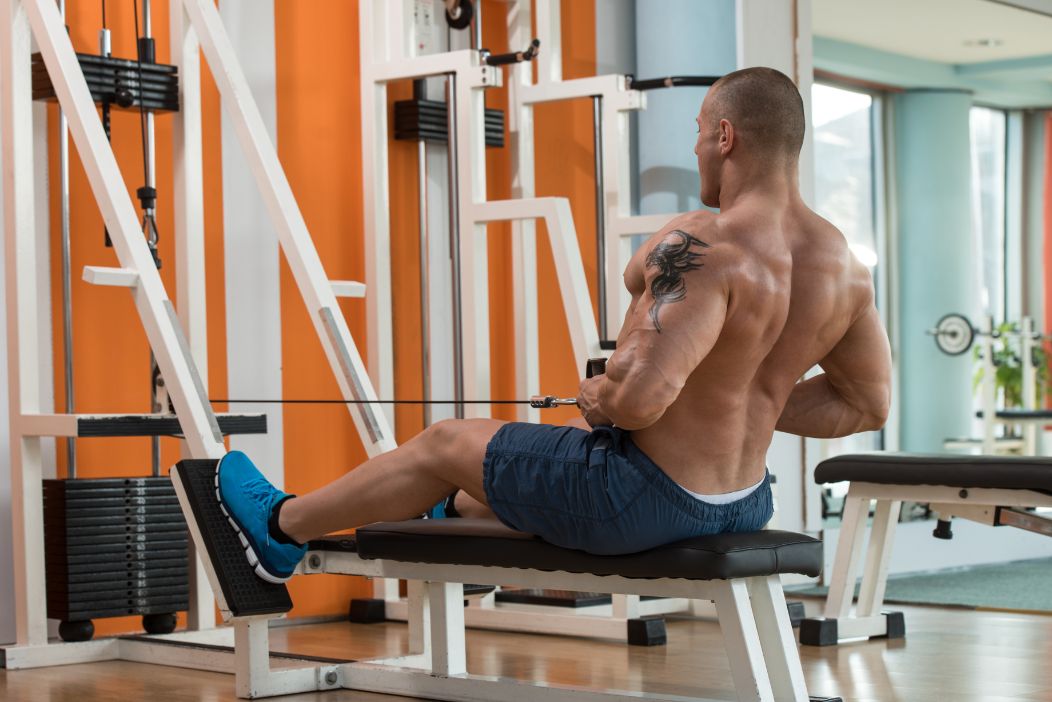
(486, 542)
(1004, 472)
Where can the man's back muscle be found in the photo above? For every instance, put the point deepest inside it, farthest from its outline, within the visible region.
(792, 290)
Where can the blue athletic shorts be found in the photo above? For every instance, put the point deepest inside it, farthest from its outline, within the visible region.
(597, 492)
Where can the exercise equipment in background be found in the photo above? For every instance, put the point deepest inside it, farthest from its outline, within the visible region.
(955, 335)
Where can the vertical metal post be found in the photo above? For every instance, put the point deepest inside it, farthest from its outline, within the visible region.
(600, 214)
(989, 388)
(425, 297)
(1027, 342)
(67, 276)
(477, 25)
(156, 404)
(454, 244)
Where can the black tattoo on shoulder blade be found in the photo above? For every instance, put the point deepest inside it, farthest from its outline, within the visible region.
(672, 257)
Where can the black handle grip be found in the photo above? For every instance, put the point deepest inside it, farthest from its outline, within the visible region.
(672, 82)
(514, 56)
(594, 367)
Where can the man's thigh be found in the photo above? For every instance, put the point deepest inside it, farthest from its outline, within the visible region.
(462, 445)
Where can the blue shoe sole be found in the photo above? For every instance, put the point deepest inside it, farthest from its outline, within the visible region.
(253, 559)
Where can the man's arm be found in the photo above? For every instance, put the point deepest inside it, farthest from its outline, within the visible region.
(854, 392)
(671, 329)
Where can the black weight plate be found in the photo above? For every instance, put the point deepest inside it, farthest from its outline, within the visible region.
(159, 578)
(99, 610)
(87, 596)
(130, 569)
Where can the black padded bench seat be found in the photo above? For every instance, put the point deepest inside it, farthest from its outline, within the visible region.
(1004, 472)
(486, 542)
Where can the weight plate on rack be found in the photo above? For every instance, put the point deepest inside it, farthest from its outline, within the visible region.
(954, 334)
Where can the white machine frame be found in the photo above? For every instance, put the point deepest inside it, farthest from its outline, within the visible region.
(976, 504)
(195, 26)
(764, 661)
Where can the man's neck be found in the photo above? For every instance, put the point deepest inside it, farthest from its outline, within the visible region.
(778, 184)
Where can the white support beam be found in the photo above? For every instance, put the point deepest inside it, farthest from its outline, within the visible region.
(448, 653)
(878, 555)
(166, 338)
(347, 288)
(47, 425)
(23, 349)
(523, 232)
(951, 495)
(115, 277)
(577, 303)
(188, 203)
(296, 243)
(848, 552)
(742, 641)
(375, 201)
(776, 639)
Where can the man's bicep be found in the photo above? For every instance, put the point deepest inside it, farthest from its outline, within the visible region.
(859, 366)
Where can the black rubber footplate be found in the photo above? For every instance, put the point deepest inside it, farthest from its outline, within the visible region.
(245, 593)
(796, 612)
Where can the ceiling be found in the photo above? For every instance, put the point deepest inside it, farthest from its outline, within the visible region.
(937, 30)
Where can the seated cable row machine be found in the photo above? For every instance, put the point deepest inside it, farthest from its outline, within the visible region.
(740, 573)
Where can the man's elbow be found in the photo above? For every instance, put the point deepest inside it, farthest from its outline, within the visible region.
(638, 410)
(875, 415)
(636, 418)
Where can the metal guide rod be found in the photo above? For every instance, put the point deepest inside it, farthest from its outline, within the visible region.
(425, 302)
(454, 242)
(149, 178)
(67, 275)
(477, 25)
(600, 214)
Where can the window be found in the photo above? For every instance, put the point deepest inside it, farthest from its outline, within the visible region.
(847, 191)
(988, 129)
(844, 166)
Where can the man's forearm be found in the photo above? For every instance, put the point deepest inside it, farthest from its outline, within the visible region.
(634, 404)
(817, 410)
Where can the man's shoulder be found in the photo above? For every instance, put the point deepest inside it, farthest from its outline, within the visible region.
(700, 228)
(694, 247)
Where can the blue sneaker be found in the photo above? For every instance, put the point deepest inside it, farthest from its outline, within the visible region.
(247, 499)
(445, 509)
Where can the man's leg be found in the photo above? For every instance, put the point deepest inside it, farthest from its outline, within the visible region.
(399, 484)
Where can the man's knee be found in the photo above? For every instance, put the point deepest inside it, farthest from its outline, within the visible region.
(452, 440)
(444, 437)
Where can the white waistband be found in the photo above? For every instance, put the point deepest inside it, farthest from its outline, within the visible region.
(727, 497)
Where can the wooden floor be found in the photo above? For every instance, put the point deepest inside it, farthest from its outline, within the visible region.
(957, 655)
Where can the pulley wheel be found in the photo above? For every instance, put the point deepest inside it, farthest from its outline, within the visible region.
(954, 334)
(464, 12)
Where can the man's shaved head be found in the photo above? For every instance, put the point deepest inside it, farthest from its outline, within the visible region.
(765, 108)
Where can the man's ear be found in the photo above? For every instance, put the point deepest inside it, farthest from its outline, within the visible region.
(726, 137)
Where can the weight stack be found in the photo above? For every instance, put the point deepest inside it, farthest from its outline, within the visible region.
(427, 119)
(113, 547)
(110, 77)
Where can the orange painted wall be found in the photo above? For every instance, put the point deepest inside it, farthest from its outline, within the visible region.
(318, 118)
